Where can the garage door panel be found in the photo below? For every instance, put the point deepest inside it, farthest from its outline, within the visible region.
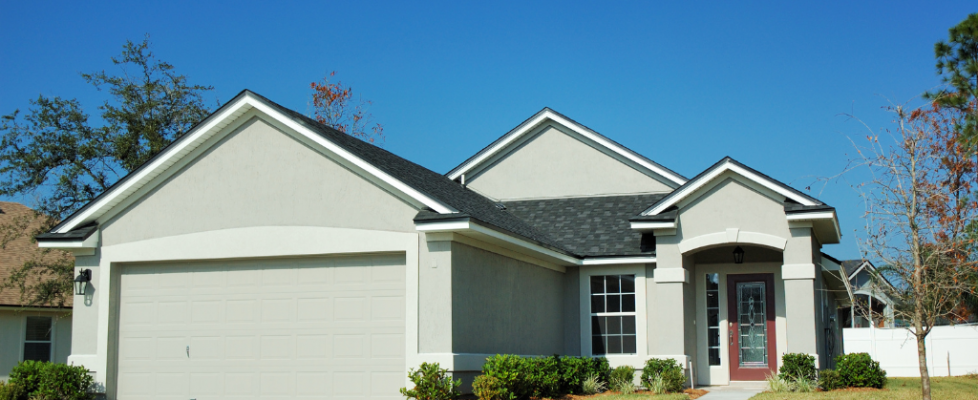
(263, 329)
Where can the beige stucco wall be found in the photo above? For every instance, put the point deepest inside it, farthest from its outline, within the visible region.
(722, 212)
(555, 164)
(259, 176)
(13, 328)
(258, 192)
(506, 306)
(732, 204)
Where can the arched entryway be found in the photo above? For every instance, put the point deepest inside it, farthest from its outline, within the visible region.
(740, 312)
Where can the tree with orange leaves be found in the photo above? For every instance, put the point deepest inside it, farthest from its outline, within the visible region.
(334, 105)
(921, 207)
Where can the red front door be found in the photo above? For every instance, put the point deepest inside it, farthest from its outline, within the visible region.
(750, 329)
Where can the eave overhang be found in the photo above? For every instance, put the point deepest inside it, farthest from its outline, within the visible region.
(470, 227)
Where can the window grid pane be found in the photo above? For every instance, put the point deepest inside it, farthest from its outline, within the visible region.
(37, 343)
(614, 333)
(713, 317)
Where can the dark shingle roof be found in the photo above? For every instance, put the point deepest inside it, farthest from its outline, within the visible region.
(588, 226)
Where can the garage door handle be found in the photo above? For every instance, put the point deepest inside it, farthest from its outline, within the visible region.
(188, 351)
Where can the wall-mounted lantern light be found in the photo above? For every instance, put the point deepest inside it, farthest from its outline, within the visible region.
(738, 255)
(82, 280)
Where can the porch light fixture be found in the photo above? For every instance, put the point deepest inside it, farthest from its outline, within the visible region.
(82, 280)
(738, 255)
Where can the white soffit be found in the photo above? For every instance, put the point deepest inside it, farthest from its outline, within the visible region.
(548, 114)
(214, 125)
(728, 165)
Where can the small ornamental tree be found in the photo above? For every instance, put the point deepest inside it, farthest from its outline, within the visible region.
(334, 105)
(921, 207)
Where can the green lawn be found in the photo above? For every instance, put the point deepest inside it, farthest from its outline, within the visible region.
(959, 387)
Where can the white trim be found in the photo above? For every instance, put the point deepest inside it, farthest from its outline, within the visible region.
(732, 236)
(76, 247)
(467, 227)
(641, 313)
(861, 267)
(652, 225)
(695, 185)
(808, 216)
(797, 271)
(482, 232)
(215, 125)
(618, 260)
(577, 128)
(670, 275)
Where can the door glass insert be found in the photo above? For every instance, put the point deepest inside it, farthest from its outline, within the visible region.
(752, 326)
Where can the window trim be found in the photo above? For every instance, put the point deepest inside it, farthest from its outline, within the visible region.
(632, 313)
(50, 342)
(641, 315)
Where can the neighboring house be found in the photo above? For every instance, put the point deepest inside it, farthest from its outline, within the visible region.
(874, 308)
(27, 332)
(266, 254)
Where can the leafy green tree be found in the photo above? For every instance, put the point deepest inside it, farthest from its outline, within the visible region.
(57, 156)
(957, 61)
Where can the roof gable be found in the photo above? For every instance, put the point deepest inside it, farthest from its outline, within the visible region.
(692, 189)
(511, 140)
(216, 123)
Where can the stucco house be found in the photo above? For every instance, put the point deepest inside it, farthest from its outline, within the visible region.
(266, 255)
(27, 331)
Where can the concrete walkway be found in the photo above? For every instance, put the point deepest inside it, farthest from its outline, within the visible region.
(732, 392)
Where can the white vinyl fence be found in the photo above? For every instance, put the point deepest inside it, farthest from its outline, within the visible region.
(951, 350)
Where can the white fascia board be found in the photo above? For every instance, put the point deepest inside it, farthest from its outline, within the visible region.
(650, 225)
(619, 260)
(200, 134)
(468, 225)
(727, 166)
(90, 242)
(828, 216)
(811, 216)
(577, 128)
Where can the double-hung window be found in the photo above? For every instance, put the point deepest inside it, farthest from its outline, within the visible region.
(613, 314)
(37, 341)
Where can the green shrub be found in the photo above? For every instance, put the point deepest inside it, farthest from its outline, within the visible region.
(859, 370)
(830, 380)
(669, 370)
(552, 376)
(11, 391)
(623, 373)
(622, 379)
(796, 366)
(431, 382)
(545, 379)
(489, 388)
(513, 373)
(592, 385)
(41, 380)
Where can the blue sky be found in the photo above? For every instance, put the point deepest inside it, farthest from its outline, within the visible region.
(685, 85)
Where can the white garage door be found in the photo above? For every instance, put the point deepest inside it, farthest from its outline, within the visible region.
(272, 329)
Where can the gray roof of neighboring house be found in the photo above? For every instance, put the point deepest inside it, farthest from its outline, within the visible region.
(588, 226)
